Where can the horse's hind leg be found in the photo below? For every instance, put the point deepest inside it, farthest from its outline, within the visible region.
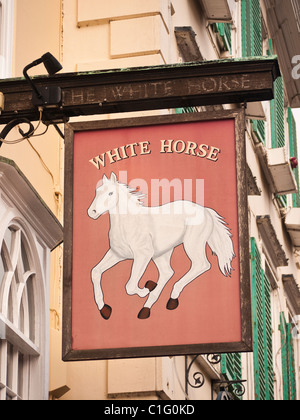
(163, 264)
(108, 261)
(195, 248)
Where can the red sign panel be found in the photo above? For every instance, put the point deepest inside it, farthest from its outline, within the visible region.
(155, 252)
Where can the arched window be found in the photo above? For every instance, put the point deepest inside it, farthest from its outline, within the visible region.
(28, 233)
(21, 314)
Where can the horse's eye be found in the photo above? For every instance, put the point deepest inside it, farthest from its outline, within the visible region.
(110, 194)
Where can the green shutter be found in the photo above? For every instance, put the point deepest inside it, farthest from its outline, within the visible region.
(288, 360)
(253, 46)
(231, 367)
(256, 314)
(258, 127)
(268, 339)
(284, 358)
(262, 328)
(278, 119)
(277, 115)
(224, 29)
(294, 152)
(291, 358)
(256, 35)
(251, 28)
(278, 122)
(186, 110)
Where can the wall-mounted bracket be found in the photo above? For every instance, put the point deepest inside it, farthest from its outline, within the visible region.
(233, 389)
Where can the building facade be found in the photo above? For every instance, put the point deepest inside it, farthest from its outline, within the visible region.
(88, 35)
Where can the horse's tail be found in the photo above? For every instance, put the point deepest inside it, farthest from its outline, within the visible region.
(221, 243)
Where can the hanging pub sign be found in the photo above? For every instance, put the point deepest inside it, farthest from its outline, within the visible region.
(156, 245)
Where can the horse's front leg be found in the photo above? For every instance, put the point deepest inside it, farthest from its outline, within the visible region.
(141, 259)
(109, 260)
(163, 263)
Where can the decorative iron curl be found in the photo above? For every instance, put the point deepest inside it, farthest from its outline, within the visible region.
(197, 376)
(236, 388)
(214, 359)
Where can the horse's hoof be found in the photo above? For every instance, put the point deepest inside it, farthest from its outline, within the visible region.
(172, 304)
(144, 313)
(106, 312)
(150, 285)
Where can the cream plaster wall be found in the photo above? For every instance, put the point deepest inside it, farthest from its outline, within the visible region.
(37, 30)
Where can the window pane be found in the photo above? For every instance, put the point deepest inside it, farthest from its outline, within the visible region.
(31, 307)
(8, 237)
(10, 314)
(10, 365)
(20, 375)
(24, 256)
(22, 318)
(2, 269)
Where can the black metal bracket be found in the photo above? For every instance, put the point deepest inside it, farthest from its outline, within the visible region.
(234, 388)
(226, 390)
(214, 359)
(198, 377)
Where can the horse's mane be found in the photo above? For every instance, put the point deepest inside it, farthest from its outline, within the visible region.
(132, 193)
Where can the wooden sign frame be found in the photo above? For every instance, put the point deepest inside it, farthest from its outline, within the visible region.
(245, 343)
(144, 88)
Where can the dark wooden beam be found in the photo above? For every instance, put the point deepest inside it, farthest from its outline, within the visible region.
(138, 89)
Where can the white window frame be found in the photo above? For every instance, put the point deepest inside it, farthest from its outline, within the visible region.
(6, 37)
(28, 331)
(21, 348)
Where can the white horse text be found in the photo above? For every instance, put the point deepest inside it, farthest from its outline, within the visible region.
(131, 150)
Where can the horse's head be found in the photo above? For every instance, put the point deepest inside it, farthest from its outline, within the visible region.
(106, 198)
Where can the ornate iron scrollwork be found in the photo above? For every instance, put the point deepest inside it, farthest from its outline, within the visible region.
(224, 388)
(214, 359)
(236, 388)
(198, 377)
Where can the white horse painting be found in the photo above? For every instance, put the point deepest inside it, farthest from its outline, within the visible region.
(142, 234)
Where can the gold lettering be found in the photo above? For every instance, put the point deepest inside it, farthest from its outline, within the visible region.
(182, 146)
(168, 88)
(165, 146)
(203, 152)
(97, 161)
(118, 92)
(145, 148)
(155, 85)
(124, 155)
(90, 95)
(246, 82)
(209, 85)
(142, 148)
(213, 154)
(135, 91)
(191, 147)
(193, 86)
(77, 96)
(112, 155)
(224, 83)
(132, 150)
(236, 84)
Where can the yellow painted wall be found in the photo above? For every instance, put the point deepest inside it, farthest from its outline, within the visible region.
(37, 30)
